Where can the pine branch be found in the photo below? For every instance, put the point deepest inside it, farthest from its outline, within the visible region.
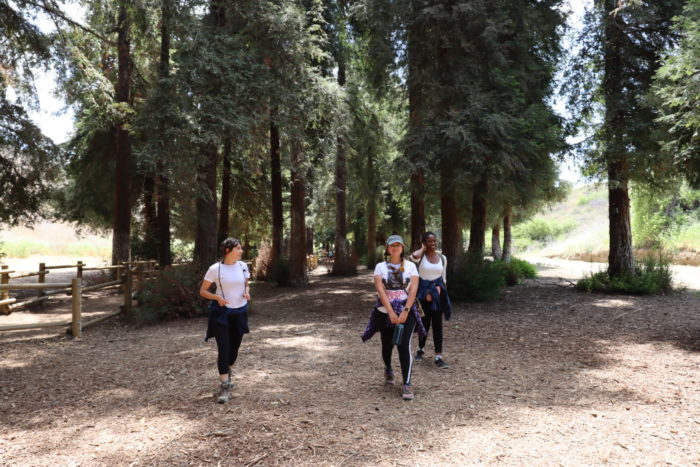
(53, 10)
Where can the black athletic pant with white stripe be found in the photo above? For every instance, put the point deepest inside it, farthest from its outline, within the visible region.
(405, 357)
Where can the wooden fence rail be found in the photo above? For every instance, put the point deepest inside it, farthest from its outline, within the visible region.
(126, 273)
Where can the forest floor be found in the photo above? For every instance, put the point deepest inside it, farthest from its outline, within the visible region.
(545, 375)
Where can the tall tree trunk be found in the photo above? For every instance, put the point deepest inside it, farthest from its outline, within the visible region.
(371, 213)
(149, 215)
(477, 230)
(507, 233)
(276, 187)
(121, 227)
(415, 123)
(449, 221)
(205, 235)
(496, 251)
(620, 258)
(225, 192)
(341, 264)
(297, 241)
(164, 253)
(162, 187)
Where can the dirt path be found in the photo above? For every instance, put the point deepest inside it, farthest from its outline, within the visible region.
(544, 376)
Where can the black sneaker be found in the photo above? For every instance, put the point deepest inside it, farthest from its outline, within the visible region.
(440, 363)
(389, 376)
(224, 392)
(419, 355)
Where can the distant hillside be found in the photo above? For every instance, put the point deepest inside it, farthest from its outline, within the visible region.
(578, 230)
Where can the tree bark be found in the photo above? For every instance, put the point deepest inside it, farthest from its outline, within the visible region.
(205, 235)
(164, 252)
(477, 230)
(449, 221)
(225, 192)
(414, 126)
(121, 227)
(276, 188)
(162, 187)
(620, 258)
(149, 215)
(371, 214)
(297, 241)
(507, 233)
(496, 251)
(341, 264)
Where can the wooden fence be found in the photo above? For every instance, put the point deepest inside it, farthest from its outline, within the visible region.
(129, 276)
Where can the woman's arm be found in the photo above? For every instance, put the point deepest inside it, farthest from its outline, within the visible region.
(418, 253)
(246, 291)
(384, 300)
(412, 291)
(204, 292)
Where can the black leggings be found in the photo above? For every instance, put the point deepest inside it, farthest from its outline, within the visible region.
(228, 341)
(436, 318)
(387, 333)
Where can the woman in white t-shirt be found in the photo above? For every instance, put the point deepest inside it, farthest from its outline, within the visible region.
(432, 294)
(396, 281)
(228, 310)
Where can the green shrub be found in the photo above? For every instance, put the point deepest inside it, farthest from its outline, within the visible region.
(527, 270)
(280, 272)
(173, 293)
(650, 276)
(476, 279)
(541, 230)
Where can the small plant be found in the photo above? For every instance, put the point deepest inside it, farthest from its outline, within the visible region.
(650, 276)
(476, 279)
(174, 293)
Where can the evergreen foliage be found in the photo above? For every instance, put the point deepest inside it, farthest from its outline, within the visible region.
(650, 276)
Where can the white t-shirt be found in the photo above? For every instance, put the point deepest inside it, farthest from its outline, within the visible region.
(233, 277)
(431, 271)
(395, 284)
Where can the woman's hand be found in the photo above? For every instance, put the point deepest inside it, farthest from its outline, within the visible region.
(393, 317)
(246, 295)
(222, 301)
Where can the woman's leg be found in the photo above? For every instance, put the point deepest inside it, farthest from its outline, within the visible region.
(426, 323)
(387, 334)
(236, 340)
(437, 331)
(405, 349)
(223, 344)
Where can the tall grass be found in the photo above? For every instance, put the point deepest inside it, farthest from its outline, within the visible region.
(650, 276)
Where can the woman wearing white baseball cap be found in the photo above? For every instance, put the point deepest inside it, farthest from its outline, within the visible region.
(395, 315)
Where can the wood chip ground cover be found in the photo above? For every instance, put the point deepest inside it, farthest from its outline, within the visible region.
(544, 376)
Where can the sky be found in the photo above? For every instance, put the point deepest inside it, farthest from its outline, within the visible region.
(56, 121)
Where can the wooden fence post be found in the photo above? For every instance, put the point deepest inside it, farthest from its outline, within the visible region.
(140, 276)
(76, 326)
(79, 272)
(127, 290)
(4, 294)
(41, 280)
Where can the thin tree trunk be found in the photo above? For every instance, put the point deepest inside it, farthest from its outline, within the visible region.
(149, 215)
(225, 192)
(507, 234)
(371, 214)
(341, 260)
(297, 241)
(477, 230)
(276, 188)
(164, 253)
(162, 187)
(414, 126)
(496, 251)
(121, 230)
(205, 235)
(620, 258)
(448, 210)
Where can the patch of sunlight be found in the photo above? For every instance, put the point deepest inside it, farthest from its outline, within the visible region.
(613, 303)
(306, 342)
(288, 328)
(11, 360)
(341, 292)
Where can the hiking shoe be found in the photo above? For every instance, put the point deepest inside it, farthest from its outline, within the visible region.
(419, 355)
(224, 392)
(407, 392)
(440, 363)
(389, 376)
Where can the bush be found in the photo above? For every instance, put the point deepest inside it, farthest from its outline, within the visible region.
(650, 276)
(261, 264)
(540, 230)
(279, 273)
(526, 270)
(476, 279)
(174, 293)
